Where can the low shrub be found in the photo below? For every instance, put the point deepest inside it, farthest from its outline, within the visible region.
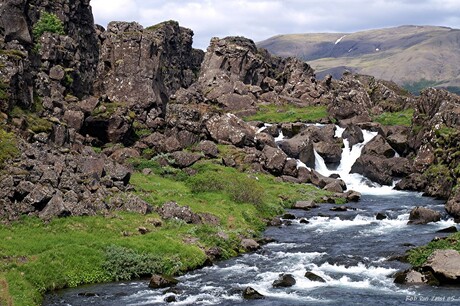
(48, 22)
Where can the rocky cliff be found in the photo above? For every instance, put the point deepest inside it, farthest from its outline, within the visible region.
(134, 91)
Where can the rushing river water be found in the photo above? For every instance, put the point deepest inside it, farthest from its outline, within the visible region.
(352, 251)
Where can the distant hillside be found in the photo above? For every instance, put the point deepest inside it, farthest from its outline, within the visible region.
(413, 56)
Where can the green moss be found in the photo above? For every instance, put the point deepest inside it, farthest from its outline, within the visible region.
(106, 109)
(34, 122)
(396, 118)
(8, 147)
(288, 113)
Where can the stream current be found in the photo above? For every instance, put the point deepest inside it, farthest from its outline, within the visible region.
(352, 251)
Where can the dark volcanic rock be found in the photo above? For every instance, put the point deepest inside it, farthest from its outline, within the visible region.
(305, 205)
(229, 129)
(314, 278)
(172, 210)
(453, 205)
(299, 147)
(141, 80)
(275, 159)
(162, 281)
(422, 215)
(285, 280)
(353, 134)
(251, 294)
(249, 244)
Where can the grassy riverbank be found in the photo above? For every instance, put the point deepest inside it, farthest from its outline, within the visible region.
(36, 257)
(419, 255)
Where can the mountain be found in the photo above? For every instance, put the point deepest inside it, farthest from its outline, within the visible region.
(412, 56)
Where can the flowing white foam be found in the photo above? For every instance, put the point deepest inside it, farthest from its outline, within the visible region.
(280, 136)
(354, 181)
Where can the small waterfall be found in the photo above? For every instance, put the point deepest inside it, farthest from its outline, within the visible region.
(354, 181)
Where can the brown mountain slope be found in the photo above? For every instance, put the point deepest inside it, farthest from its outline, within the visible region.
(413, 56)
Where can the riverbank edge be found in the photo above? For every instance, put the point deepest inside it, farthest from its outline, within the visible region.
(26, 277)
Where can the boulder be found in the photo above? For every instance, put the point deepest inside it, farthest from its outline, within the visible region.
(250, 293)
(422, 215)
(229, 129)
(130, 202)
(122, 154)
(331, 152)
(380, 216)
(208, 148)
(291, 129)
(378, 146)
(445, 265)
(353, 134)
(450, 229)
(374, 168)
(305, 205)
(313, 277)
(183, 159)
(290, 168)
(353, 196)
(74, 119)
(249, 244)
(264, 139)
(284, 280)
(162, 281)
(453, 205)
(299, 147)
(409, 277)
(398, 138)
(55, 208)
(172, 210)
(322, 181)
(275, 159)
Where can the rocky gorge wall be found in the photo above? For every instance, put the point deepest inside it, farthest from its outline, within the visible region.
(136, 91)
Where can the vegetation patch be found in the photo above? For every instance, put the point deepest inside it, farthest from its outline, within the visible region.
(396, 118)
(35, 123)
(36, 257)
(8, 147)
(272, 113)
(48, 22)
(419, 255)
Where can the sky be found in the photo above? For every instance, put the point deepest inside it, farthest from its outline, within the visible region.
(261, 19)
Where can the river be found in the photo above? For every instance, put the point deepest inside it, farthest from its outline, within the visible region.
(352, 251)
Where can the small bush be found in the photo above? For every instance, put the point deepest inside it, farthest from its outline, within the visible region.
(123, 263)
(48, 22)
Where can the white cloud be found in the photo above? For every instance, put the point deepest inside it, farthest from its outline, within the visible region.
(260, 19)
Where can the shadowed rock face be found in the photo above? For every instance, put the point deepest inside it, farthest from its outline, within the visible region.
(142, 67)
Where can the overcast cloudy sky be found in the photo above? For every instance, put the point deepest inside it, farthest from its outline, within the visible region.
(261, 19)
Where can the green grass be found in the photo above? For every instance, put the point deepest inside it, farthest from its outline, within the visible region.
(419, 255)
(288, 113)
(397, 118)
(8, 148)
(36, 257)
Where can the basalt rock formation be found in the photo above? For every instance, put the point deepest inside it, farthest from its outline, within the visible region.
(148, 90)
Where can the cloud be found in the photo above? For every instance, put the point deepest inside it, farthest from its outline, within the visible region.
(261, 19)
